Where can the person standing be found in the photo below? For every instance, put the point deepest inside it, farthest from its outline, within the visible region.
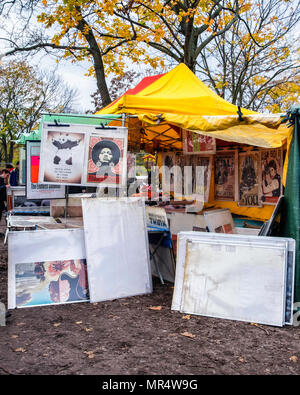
(3, 196)
(14, 176)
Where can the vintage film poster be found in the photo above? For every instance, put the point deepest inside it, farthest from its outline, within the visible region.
(131, 165)
(62, 154)
(34, 190)
(195, 143)
(226, 176)
(202, 177)
(46, 275)
(271, 175)
(168, 171)
(107, 158)
(249, 179)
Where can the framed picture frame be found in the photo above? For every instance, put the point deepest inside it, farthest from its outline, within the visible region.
(249, 180)
(46, 275)
(271, 175)
(106, 153)
(202, 179)
(226, 175)
(195, 143)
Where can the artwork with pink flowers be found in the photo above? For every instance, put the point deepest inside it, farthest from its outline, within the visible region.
(43, 283)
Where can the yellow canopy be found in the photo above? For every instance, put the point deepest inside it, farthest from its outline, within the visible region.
(178, 98)
(178, 92)
(166, 103)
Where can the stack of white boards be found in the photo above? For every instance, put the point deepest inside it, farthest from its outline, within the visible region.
(107, 259)
(236, 277)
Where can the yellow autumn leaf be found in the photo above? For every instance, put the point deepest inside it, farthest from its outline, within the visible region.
(155, 308)
(186, 317)
(188, 334)
(20, 349)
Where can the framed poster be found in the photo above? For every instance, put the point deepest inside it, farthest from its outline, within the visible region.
(271, 175)
(195, 143)
(249, 181)
(168, 171)
(226, 176)
(62, 154)
(74, 154)
(202, 167)
(34, 190)
(46, 275)
(107, 158)
(131, 165)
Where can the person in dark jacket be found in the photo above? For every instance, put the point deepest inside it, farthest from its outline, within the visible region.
(4, 175)
(14, 176)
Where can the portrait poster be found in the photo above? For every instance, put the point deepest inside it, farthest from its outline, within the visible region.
(168, 171)
(195, 143)
(249, 179)
(271, 175)
(46, 275)
(202, 166)
(34, 190)
(62, 154)
(107, 158)
(226, 176)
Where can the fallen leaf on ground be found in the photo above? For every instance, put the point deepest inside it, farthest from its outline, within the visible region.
(88, 329)
(293, 358)
(14, 336)
(20, 323)
(155, 307)
(188, 334)
(90, 354)
(78, 322)
(241, 359)
(56, 324)
(186, 317)
(20, 349)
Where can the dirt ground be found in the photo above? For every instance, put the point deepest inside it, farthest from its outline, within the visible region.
(128, 337)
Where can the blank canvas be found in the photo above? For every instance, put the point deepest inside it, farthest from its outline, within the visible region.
(117, 248)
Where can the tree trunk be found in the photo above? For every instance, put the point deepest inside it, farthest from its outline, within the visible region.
(97, 57)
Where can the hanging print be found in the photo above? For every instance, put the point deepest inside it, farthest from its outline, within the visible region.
(271, 173)
(195, 143)
(107, 158)
(226, 176)
(249, 179)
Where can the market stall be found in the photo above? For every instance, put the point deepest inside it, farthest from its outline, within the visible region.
(180, 122)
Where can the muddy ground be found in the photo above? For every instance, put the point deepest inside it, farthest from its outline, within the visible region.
(138, 336)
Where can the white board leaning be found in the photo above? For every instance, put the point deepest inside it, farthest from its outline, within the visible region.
(265, 284)
(46, 275)
(117, 248)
